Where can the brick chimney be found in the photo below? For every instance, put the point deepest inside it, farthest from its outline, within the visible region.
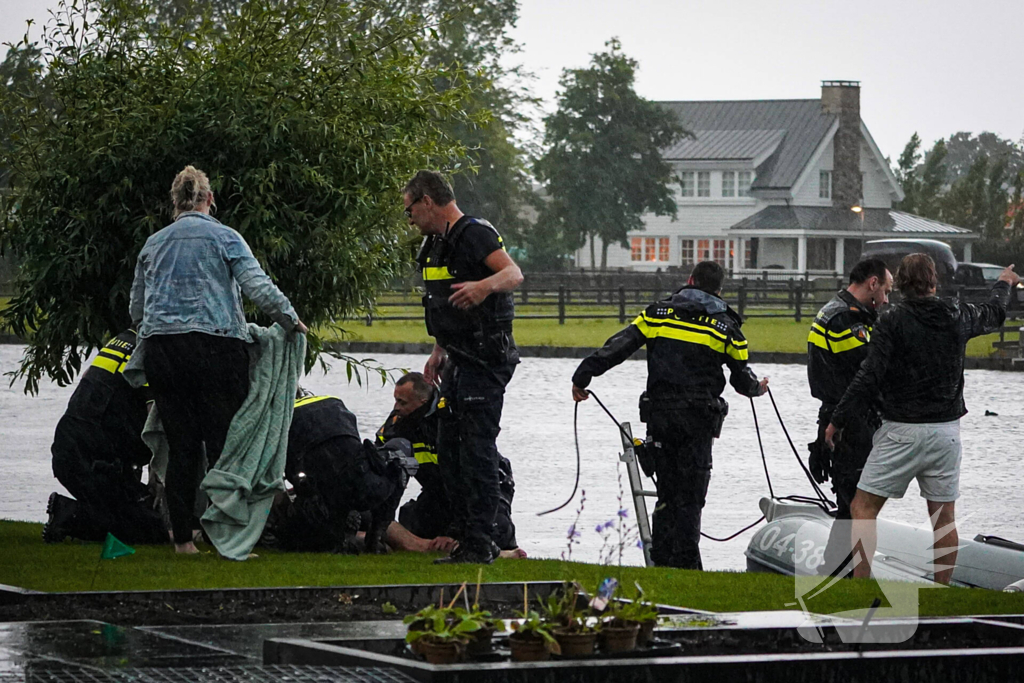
(843, 99)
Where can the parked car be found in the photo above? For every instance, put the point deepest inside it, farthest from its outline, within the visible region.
(892, 252)
(977, 274)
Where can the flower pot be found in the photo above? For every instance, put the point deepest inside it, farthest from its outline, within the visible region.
(528, 649)
(576, 644)
(480, 642)
(619, 638)
(440, 653)
(646, 634)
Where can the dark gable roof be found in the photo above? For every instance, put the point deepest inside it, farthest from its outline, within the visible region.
(825, 218)
(747, 127)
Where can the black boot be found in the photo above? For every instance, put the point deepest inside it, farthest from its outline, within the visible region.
(60, 511)
(468, 554)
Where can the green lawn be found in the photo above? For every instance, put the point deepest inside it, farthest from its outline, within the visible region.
(70, 566)
(765, 334)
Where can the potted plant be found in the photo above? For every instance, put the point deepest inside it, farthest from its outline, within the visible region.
(639, 611)
(481, 640)
(440, 634)
(575, 632)
(532, 639)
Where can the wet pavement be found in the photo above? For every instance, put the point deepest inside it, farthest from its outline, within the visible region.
(96, 651)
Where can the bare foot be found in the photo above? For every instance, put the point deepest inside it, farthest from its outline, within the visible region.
(514, 554)
(186, 548)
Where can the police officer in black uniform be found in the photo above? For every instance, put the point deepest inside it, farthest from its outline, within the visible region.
(468, 279)
(335, 476)
(430, 515)
(98, 456)
(836, 346)
(688, 336)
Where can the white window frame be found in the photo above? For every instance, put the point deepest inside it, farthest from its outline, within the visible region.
(638, 250)
(744, 179)
(824, 184)
(703, 183)
(729, 184)
(687, 184)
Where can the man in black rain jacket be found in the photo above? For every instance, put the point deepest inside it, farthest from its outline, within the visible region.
(688, 337)
(98, 456)
(916, 362)
(836, 346)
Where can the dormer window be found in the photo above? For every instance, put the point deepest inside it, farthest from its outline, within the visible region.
(728, 183)
(745, 179)
(703, 183)
(686, 183)
(825, 185)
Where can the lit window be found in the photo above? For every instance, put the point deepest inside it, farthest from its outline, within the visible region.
(686, 183)
(663, 249)
(649, 249)
(635, 246)
(825, 185)
(746, 177)
(703, 250)
(686, 251)
(728, 183)
(704, 184)
(719, 252)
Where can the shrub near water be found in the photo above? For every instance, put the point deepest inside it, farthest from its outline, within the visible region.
(307, 118)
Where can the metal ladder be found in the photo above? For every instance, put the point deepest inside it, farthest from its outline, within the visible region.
(637, 491)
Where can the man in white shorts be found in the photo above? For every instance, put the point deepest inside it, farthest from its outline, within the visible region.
(916, 364)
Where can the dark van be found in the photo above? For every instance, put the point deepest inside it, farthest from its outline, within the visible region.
(892, 252)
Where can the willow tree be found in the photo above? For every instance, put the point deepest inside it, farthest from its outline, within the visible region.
(308, 117)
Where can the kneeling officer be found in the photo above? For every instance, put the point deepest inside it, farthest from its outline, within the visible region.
(688, 336)
(98, 455)
(336, 476)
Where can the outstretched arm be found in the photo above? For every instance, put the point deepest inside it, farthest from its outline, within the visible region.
(618, 348)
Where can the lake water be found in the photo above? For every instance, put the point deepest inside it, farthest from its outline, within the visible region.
(537, 436)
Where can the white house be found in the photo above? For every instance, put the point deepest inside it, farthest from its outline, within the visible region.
(771, 185)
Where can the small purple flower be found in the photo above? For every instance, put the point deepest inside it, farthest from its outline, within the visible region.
(623, 513)
(599, 528)
(640, 544)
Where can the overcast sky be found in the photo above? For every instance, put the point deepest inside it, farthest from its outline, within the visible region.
(931, 66)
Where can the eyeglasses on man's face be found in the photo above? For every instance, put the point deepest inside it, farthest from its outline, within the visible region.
(408, 209)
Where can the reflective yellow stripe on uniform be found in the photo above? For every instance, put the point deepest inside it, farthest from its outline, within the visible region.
(108, 364)
(311, 399)
(441, 273)
(836, 342)
(694, 334)
(424, 454)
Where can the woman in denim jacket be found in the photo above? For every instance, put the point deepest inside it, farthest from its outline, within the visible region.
(187, 301)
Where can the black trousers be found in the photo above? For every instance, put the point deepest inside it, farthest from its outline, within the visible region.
(853, 445)
(682, 463)
(342, 476)
(199, 382)
(111, 498)
(466, 450)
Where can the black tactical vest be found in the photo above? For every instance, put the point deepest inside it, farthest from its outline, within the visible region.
(315, 420)
(483, 331)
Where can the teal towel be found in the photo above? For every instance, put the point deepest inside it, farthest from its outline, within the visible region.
(250, 471)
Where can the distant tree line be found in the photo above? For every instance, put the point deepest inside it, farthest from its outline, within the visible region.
(971, 181)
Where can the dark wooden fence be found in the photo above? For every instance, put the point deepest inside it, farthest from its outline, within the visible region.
(577, 298)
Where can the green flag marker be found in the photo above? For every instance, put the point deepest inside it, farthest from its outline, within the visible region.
(113, 549)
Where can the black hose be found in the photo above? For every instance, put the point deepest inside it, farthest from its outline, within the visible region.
(821, 496)
(764, 460)
(576, 433)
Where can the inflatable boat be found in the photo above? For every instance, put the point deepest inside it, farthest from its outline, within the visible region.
(795, 536)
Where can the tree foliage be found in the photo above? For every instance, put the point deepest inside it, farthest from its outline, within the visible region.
(964, 148)
(603, 165)
(308, 117)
